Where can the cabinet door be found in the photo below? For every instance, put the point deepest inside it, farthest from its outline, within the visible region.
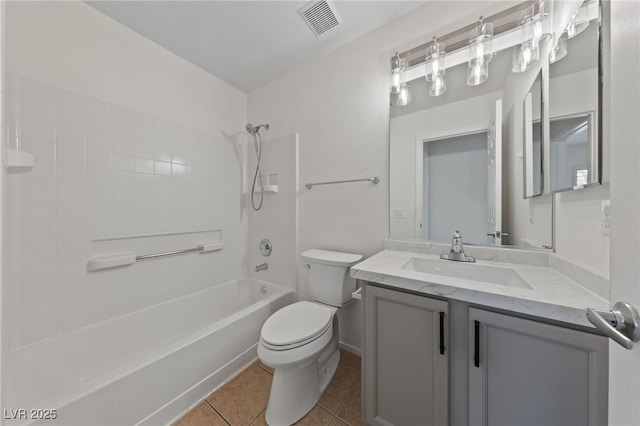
(524, 373)
(406, 359)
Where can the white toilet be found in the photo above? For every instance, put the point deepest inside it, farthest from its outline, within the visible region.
(300, 341)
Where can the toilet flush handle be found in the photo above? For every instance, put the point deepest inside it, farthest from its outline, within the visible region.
(306, 266)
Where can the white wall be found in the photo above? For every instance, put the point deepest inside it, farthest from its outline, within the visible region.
(129, 140)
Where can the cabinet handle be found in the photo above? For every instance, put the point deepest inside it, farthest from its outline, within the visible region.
(441, 333)
(476, 344)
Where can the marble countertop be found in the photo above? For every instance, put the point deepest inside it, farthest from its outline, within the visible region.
(552, 295)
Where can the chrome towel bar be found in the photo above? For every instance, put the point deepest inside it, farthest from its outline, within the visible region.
(113, 260)
(374, 180)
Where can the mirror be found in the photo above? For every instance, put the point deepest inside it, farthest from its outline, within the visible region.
(533, 146)
(574, 104)
(445, 171)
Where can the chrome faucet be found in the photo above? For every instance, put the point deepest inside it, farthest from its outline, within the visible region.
(262, 267)
(457, 250)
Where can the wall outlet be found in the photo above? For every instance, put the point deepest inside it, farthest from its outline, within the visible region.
(605, 217)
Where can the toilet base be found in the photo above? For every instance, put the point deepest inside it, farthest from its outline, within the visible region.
(297, 389)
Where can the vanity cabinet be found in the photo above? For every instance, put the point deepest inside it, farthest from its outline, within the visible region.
(490, 369)
(529, 373)
(406, 358)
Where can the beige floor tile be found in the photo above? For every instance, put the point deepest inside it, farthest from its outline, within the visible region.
(337, 422)
(201, 415)
(317, 416)
(349, 410)
(241, 400)
(338, 388)
(260, 421)
(264, 367)
(349, 359)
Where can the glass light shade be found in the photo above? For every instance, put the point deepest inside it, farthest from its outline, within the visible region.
(404, 96)
(559, 51)
(480, 43)
(579, 21)
(438, 85)
(434, 60)
(525, 55)
(398, 67)
(477, 73)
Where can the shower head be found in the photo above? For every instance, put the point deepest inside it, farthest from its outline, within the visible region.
(255, 129)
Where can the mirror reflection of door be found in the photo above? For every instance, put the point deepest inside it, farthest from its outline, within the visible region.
(455, 187)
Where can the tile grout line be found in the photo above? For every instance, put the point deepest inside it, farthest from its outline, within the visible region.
(219, 413)
(343, 400)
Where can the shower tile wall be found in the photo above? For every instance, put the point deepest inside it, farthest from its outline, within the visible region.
(102, 171)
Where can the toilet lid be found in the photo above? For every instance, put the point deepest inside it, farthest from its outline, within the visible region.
(296, 323)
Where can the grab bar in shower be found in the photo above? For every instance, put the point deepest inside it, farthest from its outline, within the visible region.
(374, 180)
(113, 260)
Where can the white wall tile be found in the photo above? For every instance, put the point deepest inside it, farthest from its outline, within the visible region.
(38, 210)
(72, 247)
(70, 117)
(42, 151)
(39, 291)
(70, 191)
(99, 229)
(122, 138)
(38, 109)
(99, 158)
(99, 176)
(100, 193)
(163, 168)
(71, 210)
(71, 229)
(38, 271)
(38, 251)
(70, 100)
(69, 173)
(124, 162)
(37, 90)
(144, 165)
(70, 154)
(162, 140)
(38, 231)
(42, 170)
(38, 191)
(122, 115)
(70, 135)
(124, 194)
(38, 130)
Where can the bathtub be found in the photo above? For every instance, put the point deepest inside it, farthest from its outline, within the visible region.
(147, 367)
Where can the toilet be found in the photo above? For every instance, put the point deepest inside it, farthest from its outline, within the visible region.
(300, 341)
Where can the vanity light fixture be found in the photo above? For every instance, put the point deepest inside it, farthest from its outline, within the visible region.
(579, 21)
(435, 71)
(404, 95)
(480, 53)
(398, 66)
(528, 52)
(559, 51)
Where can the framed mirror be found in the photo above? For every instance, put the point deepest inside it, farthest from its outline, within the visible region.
(574, 103)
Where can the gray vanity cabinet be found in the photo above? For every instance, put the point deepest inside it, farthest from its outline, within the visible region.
(524, 372)
(406, 358)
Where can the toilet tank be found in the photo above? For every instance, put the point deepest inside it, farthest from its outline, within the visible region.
(329, 279)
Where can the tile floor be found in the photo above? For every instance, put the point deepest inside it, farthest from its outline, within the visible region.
(243, 400)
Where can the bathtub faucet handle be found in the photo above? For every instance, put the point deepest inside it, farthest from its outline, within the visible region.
(262, 267)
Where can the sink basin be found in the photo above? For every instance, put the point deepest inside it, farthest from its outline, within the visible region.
(468, 271)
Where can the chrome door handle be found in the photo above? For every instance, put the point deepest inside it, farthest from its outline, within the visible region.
(622, 323)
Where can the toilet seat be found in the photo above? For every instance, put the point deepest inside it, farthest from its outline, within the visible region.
(296, 325)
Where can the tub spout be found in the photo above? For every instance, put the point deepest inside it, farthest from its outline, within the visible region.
(262, 267)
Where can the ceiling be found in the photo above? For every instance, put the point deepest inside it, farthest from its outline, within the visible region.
(248, 43)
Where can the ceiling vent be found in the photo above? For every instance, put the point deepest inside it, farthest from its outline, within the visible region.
(321, 16)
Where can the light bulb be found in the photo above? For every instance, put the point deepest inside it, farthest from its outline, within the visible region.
(404, 95)
(438, 85)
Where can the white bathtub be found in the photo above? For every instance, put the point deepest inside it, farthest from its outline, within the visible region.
(147, 367)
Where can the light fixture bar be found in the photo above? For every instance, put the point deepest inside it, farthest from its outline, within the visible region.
(507, 32)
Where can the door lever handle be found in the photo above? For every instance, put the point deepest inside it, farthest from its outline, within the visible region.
(622, 323)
